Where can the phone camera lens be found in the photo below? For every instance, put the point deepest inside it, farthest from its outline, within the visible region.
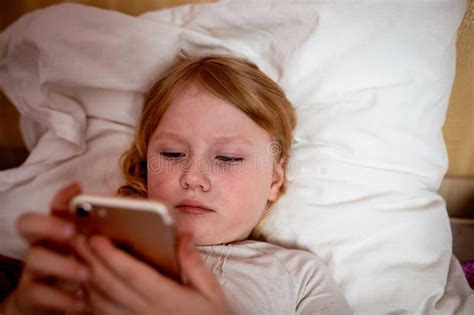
(83, 210)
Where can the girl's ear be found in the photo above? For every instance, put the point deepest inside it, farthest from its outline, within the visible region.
(277, 180)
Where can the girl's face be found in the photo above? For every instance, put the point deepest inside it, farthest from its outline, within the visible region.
(212, 165)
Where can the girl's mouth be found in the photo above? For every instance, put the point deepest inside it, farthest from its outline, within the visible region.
(193, 210)
(189, 206)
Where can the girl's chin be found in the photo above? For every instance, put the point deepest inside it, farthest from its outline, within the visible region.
(203, 232)
(199, 234)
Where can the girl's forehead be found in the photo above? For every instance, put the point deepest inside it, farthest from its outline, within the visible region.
(197, 106)
(204, 116)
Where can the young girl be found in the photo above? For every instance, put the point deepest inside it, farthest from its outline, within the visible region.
(212, 143)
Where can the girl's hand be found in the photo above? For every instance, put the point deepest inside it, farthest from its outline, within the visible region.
(121, 284)
(50, 272)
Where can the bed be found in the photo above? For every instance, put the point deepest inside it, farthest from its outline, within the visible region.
(403, 191)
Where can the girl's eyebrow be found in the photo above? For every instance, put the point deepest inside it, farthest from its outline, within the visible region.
(162, 134)
(218, 139)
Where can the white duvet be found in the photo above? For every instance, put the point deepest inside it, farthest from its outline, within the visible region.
(370, 82)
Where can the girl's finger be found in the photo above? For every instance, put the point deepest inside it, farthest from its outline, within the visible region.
(135, 273)
(43, 262)
(60, 202)
(100, 304)
(34, 227)
(44, 296)
(196, 271)
(81, 294)
(104, 280)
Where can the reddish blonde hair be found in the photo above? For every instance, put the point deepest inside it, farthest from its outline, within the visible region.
(234, 80)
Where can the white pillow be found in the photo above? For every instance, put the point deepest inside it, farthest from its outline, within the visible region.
(370, 82)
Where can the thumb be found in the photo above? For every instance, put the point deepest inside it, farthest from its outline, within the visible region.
(60, 202)
(196, 272)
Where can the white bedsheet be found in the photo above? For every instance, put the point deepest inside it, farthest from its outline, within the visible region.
(370, 82)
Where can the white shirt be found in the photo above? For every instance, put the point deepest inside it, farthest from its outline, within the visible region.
(261, 278)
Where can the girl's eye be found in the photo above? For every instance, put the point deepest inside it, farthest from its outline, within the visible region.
(171, 155)
(228, 159)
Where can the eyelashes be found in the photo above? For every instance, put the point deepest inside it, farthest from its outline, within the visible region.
(171, 155)
(229, 158)
(221, 158)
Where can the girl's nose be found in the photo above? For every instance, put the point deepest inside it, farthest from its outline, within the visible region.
(195, 175)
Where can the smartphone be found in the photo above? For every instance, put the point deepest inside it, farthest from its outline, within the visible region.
(143, 228)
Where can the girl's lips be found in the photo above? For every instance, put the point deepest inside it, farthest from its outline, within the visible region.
(193, 206)
(193, 210)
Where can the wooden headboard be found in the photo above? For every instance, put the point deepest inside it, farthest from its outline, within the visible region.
(458, 129)
(459, 126)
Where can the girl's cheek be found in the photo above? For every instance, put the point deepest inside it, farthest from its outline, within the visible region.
(159, 184)
(154, 166)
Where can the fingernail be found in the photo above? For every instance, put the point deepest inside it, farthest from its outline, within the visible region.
(67, 231)
(83, 274)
